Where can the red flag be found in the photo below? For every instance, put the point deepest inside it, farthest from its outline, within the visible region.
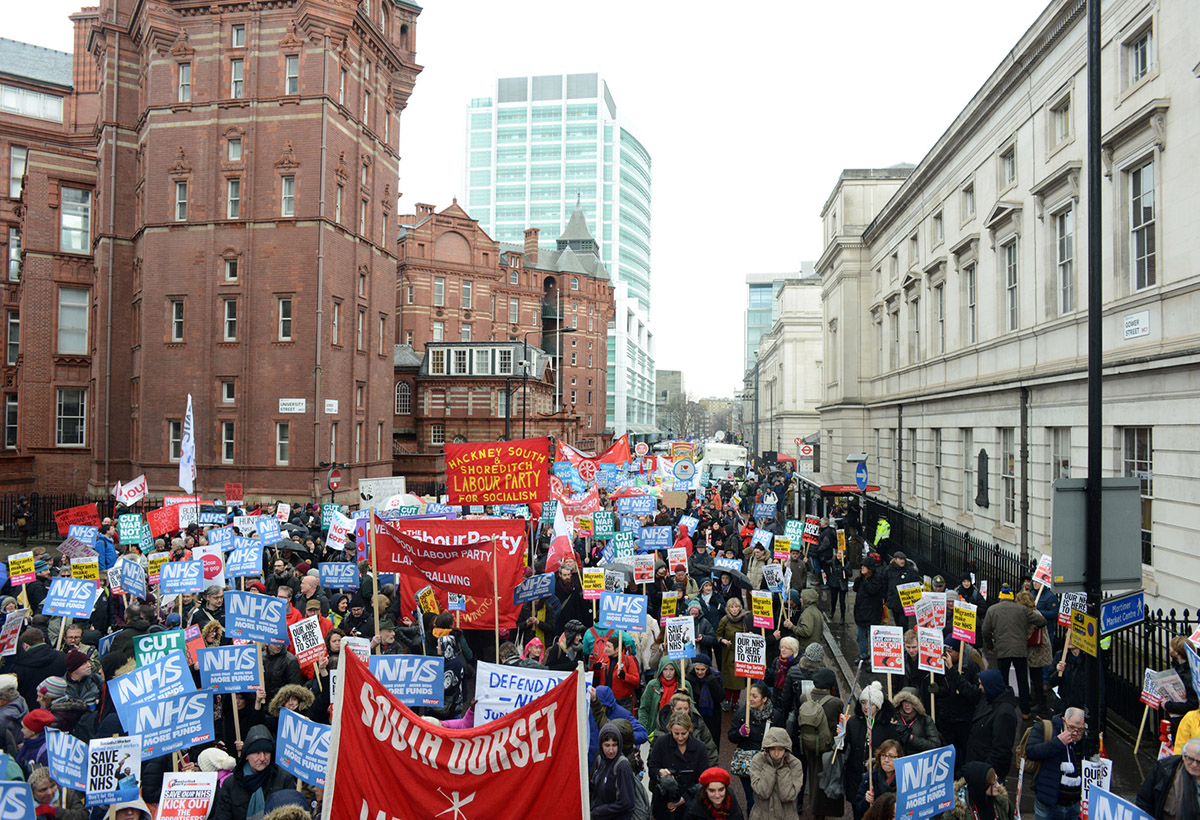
(465, 569)
(560, 544)
(385, 762)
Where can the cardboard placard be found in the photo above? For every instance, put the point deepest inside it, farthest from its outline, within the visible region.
(963, 625)
(762, 609)
(887, 650)
(749, 655)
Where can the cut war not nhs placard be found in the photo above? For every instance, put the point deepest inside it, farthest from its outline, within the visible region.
(150, 647)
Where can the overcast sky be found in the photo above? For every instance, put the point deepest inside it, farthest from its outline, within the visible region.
(749, 111)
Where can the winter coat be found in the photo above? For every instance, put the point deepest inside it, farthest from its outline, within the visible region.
(877, 782)
(775, 785)
(648, 706)
(699, 731)
(614, 711)
(958, 693)
(697, 810)
(821, 805)
(571, 603)
(961, 811)
(714, 610)
(921, 735)
(106, 552)
(279, 670)
(32, 753)
(754, 568)
(1052, 753)
(621, 673)
(1072, 683)
(706, 636)
(788, 697)
(1006, 628)
(994, 731)
(686, 766)
(728, 630)
(810, 625)
(707, 691)
(759, 720)
(868, 599)
(33, 664)
(1173, 707)
(826, 544)
(10, 725)
(233, 797)
(87, 690)
(1152, 796)
(855, 748)
(547, 612)
(898, 576)
(1042, 654)
(612, 783)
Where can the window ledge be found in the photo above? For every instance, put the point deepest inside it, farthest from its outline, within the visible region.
(72, 359)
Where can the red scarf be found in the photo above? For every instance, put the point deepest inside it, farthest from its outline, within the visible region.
(720, 812)
(668, 689)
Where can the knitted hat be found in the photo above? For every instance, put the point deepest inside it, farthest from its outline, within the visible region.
(37, 720)
(695, 604)
(872, 693)
(53, 687)
(213, 759)
(714, 775)
(993, 683)
(824, 679)
(40, 566)
(1006, 593)
(257, 586)
(701, 658)
(814, 652)
(76, 659)
(262, 743)
(286, 797)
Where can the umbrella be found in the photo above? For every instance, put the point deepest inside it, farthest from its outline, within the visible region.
(624, 569)
(293, 528)
(740, 579)
(627, 492)
(289, 544)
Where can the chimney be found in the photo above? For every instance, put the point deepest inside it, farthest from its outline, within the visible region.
(531, 245)
(85, 74)
(424, 209)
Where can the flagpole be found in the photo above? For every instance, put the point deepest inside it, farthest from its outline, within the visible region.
(374, 571)
(496, 596)
(581, 730)
(335, 733)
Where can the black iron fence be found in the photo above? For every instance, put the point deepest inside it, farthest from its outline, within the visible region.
(42, 508)
(941, 550)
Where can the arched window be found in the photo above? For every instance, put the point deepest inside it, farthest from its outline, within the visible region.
(403, 399)
(383, 18)
(574, 283)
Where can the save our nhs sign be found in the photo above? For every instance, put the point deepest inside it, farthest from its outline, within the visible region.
(925, 783)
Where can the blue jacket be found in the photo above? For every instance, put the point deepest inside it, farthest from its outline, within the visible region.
(615, 711)
(106, 552)
(1051, 753)
(1047, 604)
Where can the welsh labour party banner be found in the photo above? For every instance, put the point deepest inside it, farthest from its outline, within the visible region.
(529, 763)
(507, 535)
(498, 472)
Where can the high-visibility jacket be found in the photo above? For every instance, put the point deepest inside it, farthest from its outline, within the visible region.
(882, 530)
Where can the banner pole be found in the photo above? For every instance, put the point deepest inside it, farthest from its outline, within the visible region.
(932, 700)
(237, 721)
(1141, 728)
(374, 569)
(335, 734)
(496, 596)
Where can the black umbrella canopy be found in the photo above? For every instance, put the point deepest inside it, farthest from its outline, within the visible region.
(624, 569)
(740, 579)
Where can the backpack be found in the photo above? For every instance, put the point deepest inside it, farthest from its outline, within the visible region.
(1032, 767)
(812, 725)
(641, 800)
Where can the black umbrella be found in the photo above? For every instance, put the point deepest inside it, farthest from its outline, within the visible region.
(624, 569)
(293, 528)
(740, 579)
(289, 544)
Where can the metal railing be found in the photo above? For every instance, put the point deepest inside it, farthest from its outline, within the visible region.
(42, 508)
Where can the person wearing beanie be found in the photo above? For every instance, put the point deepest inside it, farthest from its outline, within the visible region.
(704, 679)
(33, 748)
(873, 705)
(216, 760)
(83, 684)
(50, 690)
(255, 778)
(715, 799)
(1005, 631)
(995, 724)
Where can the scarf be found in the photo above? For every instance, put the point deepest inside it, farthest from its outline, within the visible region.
(254, 782)
(1180, 802)
(668, 689)
(781, 673)
(720, 812)
(706, 596)
(441, 633)
(705, 703)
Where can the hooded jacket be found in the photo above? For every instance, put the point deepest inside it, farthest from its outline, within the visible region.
(809, 626)
(34, 664)
(612, 781)
(972, 787)
(233, 797)
(918, 734)
(776, 785)
(868, 598)
(614, 711)
(649, 705)
(994, 726)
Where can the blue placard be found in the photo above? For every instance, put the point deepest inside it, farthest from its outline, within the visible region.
(1121, 612)
(254, 617)
(180, 577)
(245, 559)
(66, 756)
(339, 574)
(682, 486)
(208, 517)
(725, 563)
(416, 680)
(16, 800)
(147, 543)
(221, 537)
(267, 528)
(621, 611)
(689, 521)
(433, 508)
(165, 677)
(302, 748)
(764, 537)
(516, 510)
(925, 783)
(860, 476)
(533, 588)
(70, 597)
(105, 644)
(1194, 665)
(84, 533)
(764, 510)
(232, 668)
(133, 578)
(172, 724)
(631, 524)
(654, 538)
(1110, 807)
(637, 505)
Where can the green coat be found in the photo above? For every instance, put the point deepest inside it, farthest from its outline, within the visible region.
(647, 713)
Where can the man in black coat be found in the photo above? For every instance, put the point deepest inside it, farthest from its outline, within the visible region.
(826, 546)
(900, 571)
(233, 797)
(35, 661)
(958, 694)
(870, 588)
(994, 726)
(1160, 784)
(570, 596)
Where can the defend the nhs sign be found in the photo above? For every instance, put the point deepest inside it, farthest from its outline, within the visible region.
(254, 617)
(620, 611)
(415, 679)
(165, 677)
(226, 669)
(925, 783)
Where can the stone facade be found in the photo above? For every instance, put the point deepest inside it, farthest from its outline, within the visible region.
(789, 368)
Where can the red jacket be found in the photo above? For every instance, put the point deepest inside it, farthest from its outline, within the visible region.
(684, 541)
(623, 675)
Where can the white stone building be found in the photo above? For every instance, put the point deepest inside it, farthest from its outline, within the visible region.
(955, 294)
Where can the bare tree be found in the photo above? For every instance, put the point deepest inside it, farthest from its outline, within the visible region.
(683, 417)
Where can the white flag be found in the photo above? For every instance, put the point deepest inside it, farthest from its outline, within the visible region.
(187, 452)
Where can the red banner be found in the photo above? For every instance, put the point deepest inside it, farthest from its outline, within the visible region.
(384, 761)
(498, 472)
(507, 535)
(465, 569)
(163, 520)
(84, 514)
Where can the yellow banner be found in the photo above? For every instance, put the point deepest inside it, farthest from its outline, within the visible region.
(670, 602)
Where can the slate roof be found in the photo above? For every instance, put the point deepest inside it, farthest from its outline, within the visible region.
(42, 65)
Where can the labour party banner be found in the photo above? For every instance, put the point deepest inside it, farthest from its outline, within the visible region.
(70, 597)
(338, 574)
(530, 763)
(533, 588)
(254, 617)
(925, 783)
(187, 795)
(681, 637)
(302, 748)
(231, 668)
(181, 577)
(416, 680)
(245, 559)
(114, 769)
(619, 611)
(173, 723)
(501, 689)
(887, 650)
(67, 757)
(498, 472)
(162, 678)
(154, 645)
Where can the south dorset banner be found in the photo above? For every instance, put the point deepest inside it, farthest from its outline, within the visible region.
(498, 472)
(384, 761)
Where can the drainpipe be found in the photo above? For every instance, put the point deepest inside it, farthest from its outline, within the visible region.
(899, 455)
(1024, 477)
(317, 368)
(112, 249)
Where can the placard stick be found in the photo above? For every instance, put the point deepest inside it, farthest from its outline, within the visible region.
(748, 683)
(1066, 647)
(62, 627)
(374, 570)
(496, 596)
(889, 677)
(237, 720)
(1141, 728)
(1037, 597)
(932, 699)
(962, 650)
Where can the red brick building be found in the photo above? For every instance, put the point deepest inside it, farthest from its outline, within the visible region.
(204, 205)
(468, 305)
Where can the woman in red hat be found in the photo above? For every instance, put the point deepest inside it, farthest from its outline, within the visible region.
(715, 801)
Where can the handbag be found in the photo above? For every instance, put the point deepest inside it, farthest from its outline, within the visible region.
(1036, 638)
(830, 779)
(740, 763)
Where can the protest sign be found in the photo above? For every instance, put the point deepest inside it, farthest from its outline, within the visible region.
(232, 668)
(623, 545)
(501, 689)
(782, 548)
(427, 600)
(812, 529)
(1150, 695)
(415, 679)
(132, 578)
(773, 576)
(11, 630)
(87, 514)
(129, 528)
(887, 650)
(339, 527)
(931, 610)
(632, 525)
(164, 677)
(70, 597)
(245, 524)
(154, 645)
(163, 520)
(929, 650)
(21, 568)
(498, 472)
(233, 494)
(689, 521)
(681, 637)
(1168, 686)
(637, 505)
(302, 748)
(654, 538)
(675, 500)
(669, 603)
(192, 641)
(764, 510)
(963, 625)
(762, 538)
(602, 524)
(223, 537)
(909, 595)
(548, 510)
(533, 588)
(1111, 807)
(114, 771)
(618, 611)
(212, 514)
(749, 655)
(131, 493)
(308, 641)
(762, 608)
(593, 583)
(213, 561)
(255, 617)
(1043, 574)
(83, 533)
(245, 559)
(338, 574)
(173, 723)
(359, 646)
(66, 756)
(677, 559)
(72, 547)
(925, 783)
(282, 511)
(181, 577)
(16, 800)
(85, 569)
(1067, 602)
(456, 602)
(1096, 775)
(793, 530)
(643, 569)
(614, 581)
(267, 529)
(187, 795)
